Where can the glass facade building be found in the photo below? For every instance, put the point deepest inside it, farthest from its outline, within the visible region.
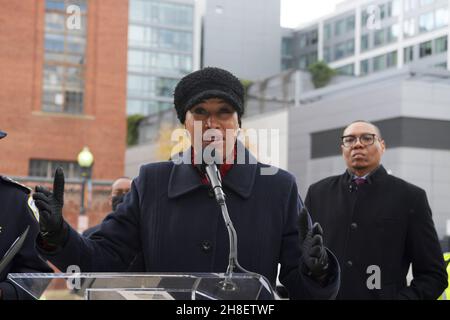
(363, 36)
(160, 52)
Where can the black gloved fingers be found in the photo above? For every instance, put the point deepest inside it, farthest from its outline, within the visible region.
(40, 196)
(317, 229)
(41, 189)
(316, 240)
(42, 205)
(58, 185)
(303, 224)
(44, 216)
(315, 252)
(311, 263)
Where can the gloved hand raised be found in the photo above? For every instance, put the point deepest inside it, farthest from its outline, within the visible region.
(50, 204)
(314, 255)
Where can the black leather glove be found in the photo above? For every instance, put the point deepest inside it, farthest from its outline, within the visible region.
(53, 229)
(314, 255)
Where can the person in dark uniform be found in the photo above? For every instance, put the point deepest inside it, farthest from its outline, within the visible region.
(171, 216)
(377, 225)
(16, 213)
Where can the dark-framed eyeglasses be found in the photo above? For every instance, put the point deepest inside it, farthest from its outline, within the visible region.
(366, 139)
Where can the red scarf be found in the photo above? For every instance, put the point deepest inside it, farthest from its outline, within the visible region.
(223, 168)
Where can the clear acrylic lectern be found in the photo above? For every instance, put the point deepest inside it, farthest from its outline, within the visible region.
(143, 286)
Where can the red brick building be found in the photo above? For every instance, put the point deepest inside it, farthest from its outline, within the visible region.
(63, 86)
(37, 134)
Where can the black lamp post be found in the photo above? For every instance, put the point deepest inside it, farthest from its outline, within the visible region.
(85, 161)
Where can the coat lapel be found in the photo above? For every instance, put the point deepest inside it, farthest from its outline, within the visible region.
(184, 178)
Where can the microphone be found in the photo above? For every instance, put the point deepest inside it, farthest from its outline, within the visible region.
(213, 175)
(352, 187)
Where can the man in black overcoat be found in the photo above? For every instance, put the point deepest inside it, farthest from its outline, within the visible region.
(377, 225)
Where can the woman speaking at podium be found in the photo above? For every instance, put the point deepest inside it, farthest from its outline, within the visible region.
(171, 217)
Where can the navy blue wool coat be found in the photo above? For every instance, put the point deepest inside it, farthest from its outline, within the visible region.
(172, 220)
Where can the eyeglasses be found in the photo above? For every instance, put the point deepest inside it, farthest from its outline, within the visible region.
(366, 139)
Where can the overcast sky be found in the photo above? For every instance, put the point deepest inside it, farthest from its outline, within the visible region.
(295, 12)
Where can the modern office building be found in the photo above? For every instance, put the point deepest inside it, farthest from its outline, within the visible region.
(170, 38)
(163, 46)
(366, 36)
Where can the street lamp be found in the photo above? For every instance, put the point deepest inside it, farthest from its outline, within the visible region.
(85, 161)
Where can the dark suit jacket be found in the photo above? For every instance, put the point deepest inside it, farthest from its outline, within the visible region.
(386, 223)
(173, 220)
(15, 216)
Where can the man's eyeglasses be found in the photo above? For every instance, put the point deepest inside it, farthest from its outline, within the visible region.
(366, 139)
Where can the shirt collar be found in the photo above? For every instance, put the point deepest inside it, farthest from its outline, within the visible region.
(370, 177)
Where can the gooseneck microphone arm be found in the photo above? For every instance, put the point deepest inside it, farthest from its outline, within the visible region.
(215, 180)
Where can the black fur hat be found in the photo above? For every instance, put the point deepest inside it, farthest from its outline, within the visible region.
(205, 84)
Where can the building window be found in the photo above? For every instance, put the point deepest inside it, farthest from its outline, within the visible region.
(303, 41)
(339, 27)
(441, 16)
(379, 38)
(364, 18)
(313, 38)
(153, 37)
(383, 11)
(327, 31)
(46, 168)
(364, 42)
(425, 49)
(408, 54)
(441, 44)
(306, 60)
(161, 13)
(385, 61)
(409, 28)
(396, 8)
(344, 49)
(364, 67)
(391, 59)
(147, 107)
(442, 65)
(392, 33)
(286, 47)
(379, 63)
(150, 86)
(410, 5)
(147, 61)
(312, 58)
(286, 64)
(350, 24)
(426, 22)
(327, 56)
(424, 3)
(347, 70)
(64, 62)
